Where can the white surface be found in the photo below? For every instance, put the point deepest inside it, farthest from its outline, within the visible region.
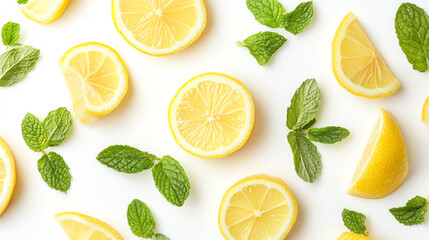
(141, 121)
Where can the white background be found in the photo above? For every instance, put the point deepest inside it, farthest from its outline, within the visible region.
(141, 121)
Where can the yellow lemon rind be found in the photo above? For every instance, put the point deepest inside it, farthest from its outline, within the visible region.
(58, 12)
(352, 236)
(7, 156)
(425, 112)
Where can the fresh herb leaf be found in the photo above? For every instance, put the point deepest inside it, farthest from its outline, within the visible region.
(160, 236)
(263, 45)
(304, 105)
(413, 213)
(10, 34)
(328, 134)
(57, 124)
(54, 171)
(305, 155)
(171, 180)
(16, 63)
(34, 133)
(412, 30)
(354, 221)
(267, 12)
(140, 219)
(126, 159)
(310, 124)
(299, 18)
(23, 1)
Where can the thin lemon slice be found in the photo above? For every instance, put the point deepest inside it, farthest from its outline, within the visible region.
(257, 207)
(352, 236)
(96, 78)
(357, 65)
(78, 227)
(7, 175)
(44, 11)
(383, 167)
(211, 115)
(159, 27)
(425, 112)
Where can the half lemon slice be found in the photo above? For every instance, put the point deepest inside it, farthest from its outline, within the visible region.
(7, 175)
(44, 11)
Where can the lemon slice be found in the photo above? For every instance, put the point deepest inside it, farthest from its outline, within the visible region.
(383, 167)
(211, 115)
(78, 227)
(44, 11)
(159, 27)
(7, 175)
(425, 113)
(257, 207)
(357, 65)
(96, 78)
(352, 236)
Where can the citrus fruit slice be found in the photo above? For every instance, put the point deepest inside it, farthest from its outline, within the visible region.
(96, 78)
(44, 11)
(78, 226)
(425, 113)
(357, 64)
(352, 236)
(383, 167)
(257, 207)
(7, 175)
(159, 27)
(211, 115)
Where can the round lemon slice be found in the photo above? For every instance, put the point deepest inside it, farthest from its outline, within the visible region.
(357, 64)
(78, 227)
(44, 11)
(257, 207)
(96, 78)
(425, 112)
(211, 115)
(7, 175)
(159, 27)
(352, 236)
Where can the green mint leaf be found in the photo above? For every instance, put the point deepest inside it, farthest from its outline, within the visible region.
(413, 213)
(160, 236)
(328, 134)
(263, 45)
(22, 1)
(126, 159)
(171, 180)
(304, 105)
(57, 125)
(412, 30)
(140, 219)
(299, 18)
(34, 133)
(354, 221)
(54, 171)
(305, 155)
(16, 63)
(10, 34)
(267, 12)
(310, 124)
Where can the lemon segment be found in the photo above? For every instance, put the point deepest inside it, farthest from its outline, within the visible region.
(7, 175)
(358, 65)
(96, 78)
(352, 236)
(159, 27)
(44, 11)
(211, 115)
(425, 112)
(383, 167)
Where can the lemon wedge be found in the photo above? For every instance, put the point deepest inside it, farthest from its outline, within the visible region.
(44, 11)
(352, 236)
(7, 175)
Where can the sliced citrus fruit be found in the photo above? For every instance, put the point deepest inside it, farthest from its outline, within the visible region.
(257, 207)
(44, 11)
(78, 227)
(211, 115)
(425, 113)
(7, 175)
(357, 64)
(159, 27)
(383, 167)
(352, 236)
(96, 78)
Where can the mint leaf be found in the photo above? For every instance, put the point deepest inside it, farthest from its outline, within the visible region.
(304, 105)
(263, 45)
(267, 12)
(354, 221)
(34, 133)
(412, 30)
(16, 63)
(140, 219)
(10, 34)
(126, 159)
(310, 124)
(54, 171)
(413, 213)
(160, 236)
(328, 134)
(305, 155)
(57, 124)
(22, 1)
(171, 180)
(299, 18)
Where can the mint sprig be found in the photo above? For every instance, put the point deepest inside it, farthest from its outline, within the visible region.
(328, 135)
(354, 221)
(126, 159)
(267, 12)
(54, 171)
(10, 34)
(299, 18)
(413, 213)
(263, 45)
